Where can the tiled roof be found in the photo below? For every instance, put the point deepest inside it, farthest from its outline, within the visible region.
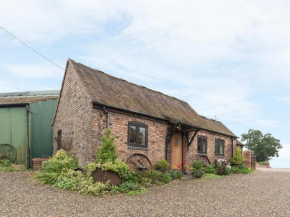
(240, 143)
(115, 92)
(28, 96)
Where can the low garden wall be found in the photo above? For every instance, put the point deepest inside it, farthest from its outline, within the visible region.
(262, 165)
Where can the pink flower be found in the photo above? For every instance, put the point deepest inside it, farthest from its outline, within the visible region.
(183, 163)
(178, 166)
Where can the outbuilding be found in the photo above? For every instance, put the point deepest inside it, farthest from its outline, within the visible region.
(147, 125)
(26, 125)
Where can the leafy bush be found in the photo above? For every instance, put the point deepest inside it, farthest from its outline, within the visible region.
(238, 157)
(154, 175)
(263, 162)
(235, 170)
(198, 173)
(162, 165)
(131, 188)
(166, 178)
(59, 162)
(118, 167)
(210, 169)
(227, 171)
(6, 166)
(220, 165)
(243, 166)
(211, 176)
(197, 165)
(107, 152)
(80, 182)
(175, 174)
(131, 177)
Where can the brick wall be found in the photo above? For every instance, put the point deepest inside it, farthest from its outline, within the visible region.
(191, 154)
(74, 117)
(119, 127)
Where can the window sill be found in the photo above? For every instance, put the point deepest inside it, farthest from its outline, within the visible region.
(138, 148)
(202, 154)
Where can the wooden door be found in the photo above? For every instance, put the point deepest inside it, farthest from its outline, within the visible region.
(176, 144)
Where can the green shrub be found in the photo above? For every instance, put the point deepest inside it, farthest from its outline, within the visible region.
(6, 166)
(131, 177)
(166, 178)
(175, 174)
(227, 171)
(197, 164)
(263, 162)
(154, 175)
(210, 169)
(238, 157)
(162, 165)
(211, 176)
(198, 173)
(131, 188)
(59, 162)
(235, 170)
(146, 182)
(243, 166)
(107, 152)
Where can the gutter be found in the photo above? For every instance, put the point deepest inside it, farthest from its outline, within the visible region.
(18, 105)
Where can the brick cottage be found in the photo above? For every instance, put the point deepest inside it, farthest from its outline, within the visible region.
(143, 121)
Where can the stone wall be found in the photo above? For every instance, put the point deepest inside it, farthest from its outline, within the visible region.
(259, 165)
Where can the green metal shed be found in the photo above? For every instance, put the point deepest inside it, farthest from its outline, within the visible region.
(26, 123)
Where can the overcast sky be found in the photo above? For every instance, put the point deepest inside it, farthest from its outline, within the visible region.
(229, 59)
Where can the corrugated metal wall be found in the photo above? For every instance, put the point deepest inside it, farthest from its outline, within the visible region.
(41, 134)
(13, 130)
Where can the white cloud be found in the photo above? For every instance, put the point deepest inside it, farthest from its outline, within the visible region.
(41, 70)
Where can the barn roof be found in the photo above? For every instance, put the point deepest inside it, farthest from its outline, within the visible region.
(28, 97)
(114, 92)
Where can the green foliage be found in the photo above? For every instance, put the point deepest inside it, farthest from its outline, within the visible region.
(198, 173)
(118, 167)
(238, 157)
(6, 166)
(107, 152)
(154, 175)
(131, 177)
(131, 188)
(210, 169)
(197, 164)
(263, 162)
(264, 146)
(243, 169)
(162, 165)
(166, 178)
(175, 174)
(59, 162)
(227, 171)
(212, 176)
(80, 182)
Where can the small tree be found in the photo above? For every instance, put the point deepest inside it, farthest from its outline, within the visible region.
(107, 152)
(238, 157)
(264, 146)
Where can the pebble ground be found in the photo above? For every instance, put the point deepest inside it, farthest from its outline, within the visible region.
(263, 193)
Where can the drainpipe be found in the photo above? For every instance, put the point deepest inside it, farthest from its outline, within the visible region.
(28, 135)
(107, 117)
(232, 146)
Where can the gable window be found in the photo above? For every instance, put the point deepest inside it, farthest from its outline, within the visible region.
(137, 135)
(202, 145)
(219, 147)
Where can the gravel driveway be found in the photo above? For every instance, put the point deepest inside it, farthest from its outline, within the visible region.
(263, 193)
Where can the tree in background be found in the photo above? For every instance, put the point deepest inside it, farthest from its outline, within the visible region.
(264, 146)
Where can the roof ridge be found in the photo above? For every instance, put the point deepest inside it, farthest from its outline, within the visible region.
(128, 81)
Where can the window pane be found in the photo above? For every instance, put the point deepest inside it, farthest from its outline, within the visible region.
(204, 146)
(142, 136)
(216, 147)
(221, 149)
(199, 145)
(133, 135)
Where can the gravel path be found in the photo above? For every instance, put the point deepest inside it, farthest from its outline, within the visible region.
(263, 193)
